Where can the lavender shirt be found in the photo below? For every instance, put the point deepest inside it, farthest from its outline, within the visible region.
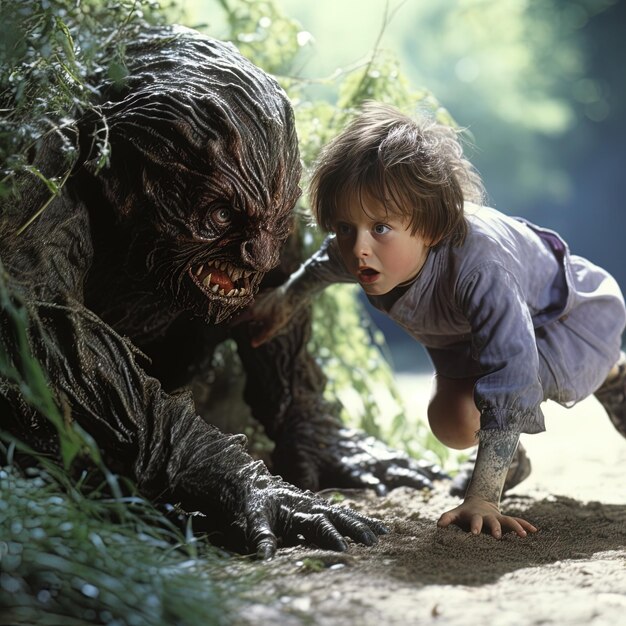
(512, 307)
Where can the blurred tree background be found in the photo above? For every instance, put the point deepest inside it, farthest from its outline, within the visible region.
(540, 86)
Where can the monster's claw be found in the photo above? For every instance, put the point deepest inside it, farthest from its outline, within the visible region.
(405, 477)
(266, 549)
(346, 458)
(358, 527)
(321, 531)
(363, 535)
(262, 539)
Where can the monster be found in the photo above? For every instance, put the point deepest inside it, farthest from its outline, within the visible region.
(132, 274)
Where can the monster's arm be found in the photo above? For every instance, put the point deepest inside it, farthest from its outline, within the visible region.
(95, 376)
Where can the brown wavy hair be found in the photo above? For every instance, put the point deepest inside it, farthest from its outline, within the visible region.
(414, 167)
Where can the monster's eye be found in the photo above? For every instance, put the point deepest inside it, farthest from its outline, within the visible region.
(222, 216)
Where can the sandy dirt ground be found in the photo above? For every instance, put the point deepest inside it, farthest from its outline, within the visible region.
(573, 571)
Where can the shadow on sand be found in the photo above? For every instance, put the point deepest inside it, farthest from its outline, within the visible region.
(418, 552)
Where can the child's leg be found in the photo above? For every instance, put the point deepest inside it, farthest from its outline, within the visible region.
(452, 414)
(612, 395)
(455, 420)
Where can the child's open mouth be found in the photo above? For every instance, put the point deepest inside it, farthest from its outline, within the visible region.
(367, 275)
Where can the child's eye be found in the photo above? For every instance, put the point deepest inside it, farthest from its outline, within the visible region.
(381, 229)
(342, 229)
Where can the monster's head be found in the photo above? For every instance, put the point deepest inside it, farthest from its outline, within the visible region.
(204, 162)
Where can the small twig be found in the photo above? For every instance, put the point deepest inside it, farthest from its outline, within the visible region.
(55, 193)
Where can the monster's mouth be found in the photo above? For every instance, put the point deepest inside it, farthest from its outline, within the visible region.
(221, 279)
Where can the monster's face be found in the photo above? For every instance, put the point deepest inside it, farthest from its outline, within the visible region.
(205, 164)
(229, 276)
(216, 236)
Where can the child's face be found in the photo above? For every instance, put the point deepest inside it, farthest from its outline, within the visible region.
(377, 247)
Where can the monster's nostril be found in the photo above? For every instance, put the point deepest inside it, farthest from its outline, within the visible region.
(261, 253)
(247, 253)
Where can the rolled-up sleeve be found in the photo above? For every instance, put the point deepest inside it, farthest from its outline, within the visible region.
(508, 393)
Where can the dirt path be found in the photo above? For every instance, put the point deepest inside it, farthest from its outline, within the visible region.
(572, 572)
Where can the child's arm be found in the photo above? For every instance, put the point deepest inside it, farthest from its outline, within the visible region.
(274, 308)
(508, 394)
(481, 507)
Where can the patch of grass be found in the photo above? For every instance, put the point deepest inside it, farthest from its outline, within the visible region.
(312, 565)
(336, 498)
(66, 559)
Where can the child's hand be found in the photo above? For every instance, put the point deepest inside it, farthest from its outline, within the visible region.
(474, 514)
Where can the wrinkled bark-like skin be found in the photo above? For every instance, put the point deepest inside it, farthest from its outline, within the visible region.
(131, 276)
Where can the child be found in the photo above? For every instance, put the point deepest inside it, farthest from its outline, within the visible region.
(508, 316)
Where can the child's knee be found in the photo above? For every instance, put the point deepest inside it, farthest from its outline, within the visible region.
(452, 430)
(452, 414)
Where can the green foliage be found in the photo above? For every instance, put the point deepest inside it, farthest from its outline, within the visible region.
(353, 354)
(48, 49)
(262, 33)
(380, 78)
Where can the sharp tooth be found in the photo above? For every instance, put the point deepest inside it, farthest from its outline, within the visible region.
(199, 270)
(215, 288)
(243, 291)
(207, 281)
(236, 292)
(221, 266)
(236, 273)
(222, 292)
(231, 292)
